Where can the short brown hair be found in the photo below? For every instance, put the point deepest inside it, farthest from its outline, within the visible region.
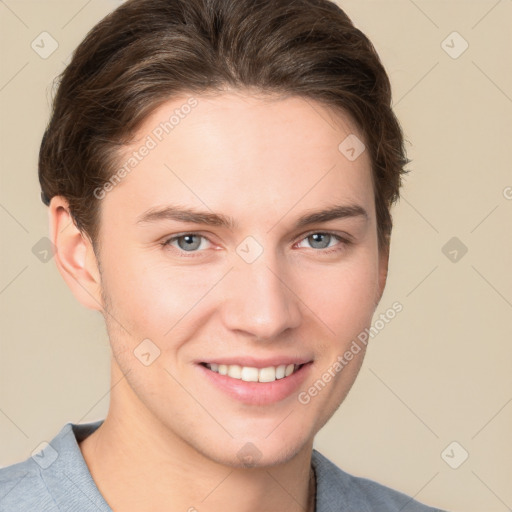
(148, 51)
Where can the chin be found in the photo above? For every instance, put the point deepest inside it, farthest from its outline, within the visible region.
(256, 452)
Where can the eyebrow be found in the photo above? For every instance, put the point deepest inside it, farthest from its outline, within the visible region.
(183, 214)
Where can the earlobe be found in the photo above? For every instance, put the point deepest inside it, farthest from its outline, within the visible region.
(74, 255)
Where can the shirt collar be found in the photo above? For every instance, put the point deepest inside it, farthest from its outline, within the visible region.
(69, 480)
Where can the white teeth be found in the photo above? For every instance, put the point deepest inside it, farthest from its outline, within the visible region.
(267, 374)
(280, 371)
(250, 374)
(235, 371)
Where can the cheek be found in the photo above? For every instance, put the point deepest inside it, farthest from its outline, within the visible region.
(138, 293)
(343, 295)
(154, 297)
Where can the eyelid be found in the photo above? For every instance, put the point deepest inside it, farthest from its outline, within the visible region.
(345, 237)
(344, 241)
(167, 241)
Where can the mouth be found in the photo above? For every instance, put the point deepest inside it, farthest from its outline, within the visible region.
(264, 384)
(253, 374)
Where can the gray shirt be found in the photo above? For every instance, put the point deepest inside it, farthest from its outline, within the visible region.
(57, 479)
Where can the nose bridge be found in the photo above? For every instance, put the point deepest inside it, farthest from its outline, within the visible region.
(261, 302)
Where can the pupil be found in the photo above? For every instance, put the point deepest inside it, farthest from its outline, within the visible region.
(317, 238)
(189, 242)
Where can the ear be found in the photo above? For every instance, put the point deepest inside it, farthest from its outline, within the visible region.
(74, 255)
(383, 272)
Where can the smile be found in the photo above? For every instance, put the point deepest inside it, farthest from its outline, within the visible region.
(252, 374)
(263, 385)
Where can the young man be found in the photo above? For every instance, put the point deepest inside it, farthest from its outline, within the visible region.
(219, 175)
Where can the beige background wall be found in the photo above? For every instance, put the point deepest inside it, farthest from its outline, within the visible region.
(440, 372)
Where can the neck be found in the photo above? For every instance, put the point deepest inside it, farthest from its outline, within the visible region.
(140, 465)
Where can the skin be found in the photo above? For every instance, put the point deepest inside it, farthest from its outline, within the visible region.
(170, 437)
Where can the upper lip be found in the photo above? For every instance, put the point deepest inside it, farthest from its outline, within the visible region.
(257, 363)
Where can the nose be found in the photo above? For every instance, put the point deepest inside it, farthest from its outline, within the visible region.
(261, 301)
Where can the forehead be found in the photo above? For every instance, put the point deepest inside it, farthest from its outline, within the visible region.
(247, 152)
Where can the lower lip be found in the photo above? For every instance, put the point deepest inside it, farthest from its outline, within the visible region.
(258, 393)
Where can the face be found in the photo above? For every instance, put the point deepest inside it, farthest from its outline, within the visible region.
(211, 262)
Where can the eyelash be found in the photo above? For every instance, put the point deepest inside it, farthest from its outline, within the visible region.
(344, 242)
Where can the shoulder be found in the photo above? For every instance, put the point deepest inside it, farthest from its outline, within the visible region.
(22, 488)
(55, 478)
(338, 490)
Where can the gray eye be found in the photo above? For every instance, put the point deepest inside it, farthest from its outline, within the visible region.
(189, 243)
(322, 239)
